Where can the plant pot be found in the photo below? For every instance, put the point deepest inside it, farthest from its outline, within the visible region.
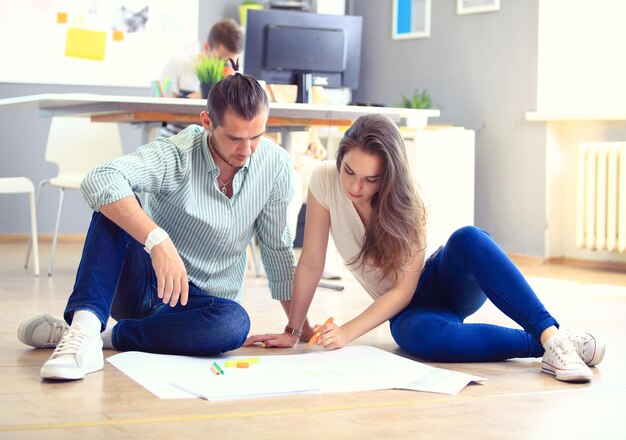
(205, 89)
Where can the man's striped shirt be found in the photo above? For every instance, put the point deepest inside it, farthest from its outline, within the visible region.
(210, 231)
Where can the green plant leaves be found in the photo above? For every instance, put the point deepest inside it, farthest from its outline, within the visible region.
(419, 100)
(210, 70)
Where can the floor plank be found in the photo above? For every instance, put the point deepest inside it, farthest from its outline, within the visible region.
(516, 401)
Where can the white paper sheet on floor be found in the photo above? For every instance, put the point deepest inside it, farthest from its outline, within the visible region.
(352, 368)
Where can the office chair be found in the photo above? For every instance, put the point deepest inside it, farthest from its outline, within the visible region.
(76, 145)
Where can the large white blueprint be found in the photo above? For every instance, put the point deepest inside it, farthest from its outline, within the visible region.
(352, 368)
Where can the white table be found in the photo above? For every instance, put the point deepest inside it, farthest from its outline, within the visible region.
(432, 153)
(143, 110)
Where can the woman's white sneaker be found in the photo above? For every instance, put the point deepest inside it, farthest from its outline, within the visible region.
(79, 353)
(589, 348)
(561, 360)
(42, 331)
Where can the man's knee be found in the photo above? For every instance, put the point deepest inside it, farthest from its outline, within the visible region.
(231, 331)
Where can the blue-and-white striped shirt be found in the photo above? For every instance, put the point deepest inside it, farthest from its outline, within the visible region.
(210, 231)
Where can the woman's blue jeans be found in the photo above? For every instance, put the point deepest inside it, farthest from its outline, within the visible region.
(116, 271)
(454, 284)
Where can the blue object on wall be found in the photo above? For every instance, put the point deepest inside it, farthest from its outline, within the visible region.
(403, 23)
(411, 19)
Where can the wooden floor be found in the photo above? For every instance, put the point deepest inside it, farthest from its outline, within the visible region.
(517, 401)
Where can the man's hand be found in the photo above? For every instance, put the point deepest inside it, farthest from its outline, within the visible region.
(282, 340)
(307, 332)
(171, 274)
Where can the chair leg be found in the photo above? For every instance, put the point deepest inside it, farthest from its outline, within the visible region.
(56, 232)
(30, 239)
(256, 261)
(33, 233)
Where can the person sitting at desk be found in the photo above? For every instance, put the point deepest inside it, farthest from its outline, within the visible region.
(225, 41)
(368, 202)
(172, 274)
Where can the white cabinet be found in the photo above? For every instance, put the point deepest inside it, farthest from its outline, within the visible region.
(442, 161)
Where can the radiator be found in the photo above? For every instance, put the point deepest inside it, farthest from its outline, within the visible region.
(601, 193)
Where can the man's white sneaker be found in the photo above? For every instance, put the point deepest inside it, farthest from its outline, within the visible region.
(79, 353)
(42, 331)
(561, 360)
(589, 348)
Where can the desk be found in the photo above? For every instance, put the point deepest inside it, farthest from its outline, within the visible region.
(442, 160)
(142, 110)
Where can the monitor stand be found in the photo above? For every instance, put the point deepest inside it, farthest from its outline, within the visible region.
(304, 81)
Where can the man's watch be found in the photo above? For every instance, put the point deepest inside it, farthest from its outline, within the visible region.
(293, 331)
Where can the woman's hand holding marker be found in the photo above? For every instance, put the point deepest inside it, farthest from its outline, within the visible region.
(318, 331)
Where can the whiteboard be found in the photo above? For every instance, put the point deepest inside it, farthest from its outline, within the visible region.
(94, 42)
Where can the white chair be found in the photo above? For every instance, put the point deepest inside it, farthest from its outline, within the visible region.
(76, 146)
(23, 185)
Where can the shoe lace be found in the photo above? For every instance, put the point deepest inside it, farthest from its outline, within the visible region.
(565, 350)
(579, 341)
(56, 333)
(71, 343)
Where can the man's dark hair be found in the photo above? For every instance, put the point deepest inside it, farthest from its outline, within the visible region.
(239, 93)
(228, 34)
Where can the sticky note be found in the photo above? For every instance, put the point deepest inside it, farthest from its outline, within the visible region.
(61, 17)
(118, 35)
(84, 43)
(234, 363)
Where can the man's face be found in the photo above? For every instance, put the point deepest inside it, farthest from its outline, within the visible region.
(233, 142)
(223, 53)
(219, 51)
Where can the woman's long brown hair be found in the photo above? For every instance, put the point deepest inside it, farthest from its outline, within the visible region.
(397, 227)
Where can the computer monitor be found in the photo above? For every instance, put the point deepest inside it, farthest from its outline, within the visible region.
(303, 48)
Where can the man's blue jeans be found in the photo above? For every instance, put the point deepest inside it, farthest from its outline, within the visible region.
(114, 264)
(455, 283)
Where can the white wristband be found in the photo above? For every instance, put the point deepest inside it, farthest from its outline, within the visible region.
(155, 237)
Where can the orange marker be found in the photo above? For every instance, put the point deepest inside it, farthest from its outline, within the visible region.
(317, 334)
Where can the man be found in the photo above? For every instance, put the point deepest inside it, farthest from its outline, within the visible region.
(225, 41)
(211, 188)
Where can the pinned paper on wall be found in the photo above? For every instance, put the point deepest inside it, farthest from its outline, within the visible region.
(87, 44)
(118, 36)
(93, 42)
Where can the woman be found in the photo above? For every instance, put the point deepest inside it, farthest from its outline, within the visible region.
(370, 205)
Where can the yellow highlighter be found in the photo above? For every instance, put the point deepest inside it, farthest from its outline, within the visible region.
(233, 363)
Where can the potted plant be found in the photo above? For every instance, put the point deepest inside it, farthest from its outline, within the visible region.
(243, 9)
(209, 70)
(419, 100)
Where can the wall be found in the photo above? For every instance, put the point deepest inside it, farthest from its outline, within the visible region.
(24, 136)
(580, 98)
(480, 70)
(580, 69)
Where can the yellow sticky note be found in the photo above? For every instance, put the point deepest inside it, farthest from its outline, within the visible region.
(61, 17)
(118, 35)
(83, 43)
